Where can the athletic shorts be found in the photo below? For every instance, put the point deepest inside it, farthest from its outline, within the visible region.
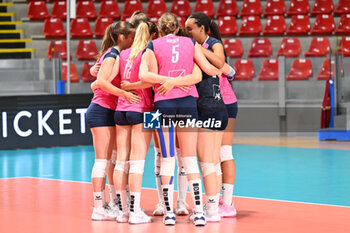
(215, 121)
(128, 118)
(178, 109)
(97, 116)
(232, 110)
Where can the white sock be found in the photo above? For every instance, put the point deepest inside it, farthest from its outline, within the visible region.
(135, 201)
(196, 194)
(227, 192)
(104, 196)
(111, 191)
(181, 177)
(157, 170)
(168, 197)
(127, 193)
(212, 204)
(98, 200)
(121, 196)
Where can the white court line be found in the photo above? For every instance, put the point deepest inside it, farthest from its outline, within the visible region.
(259, 198)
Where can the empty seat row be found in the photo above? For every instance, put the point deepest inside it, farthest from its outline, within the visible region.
(289, 47)
(301, 69)
(85, 9)
(275, 25)
(74, 77)
(80, 28)
(86, 49)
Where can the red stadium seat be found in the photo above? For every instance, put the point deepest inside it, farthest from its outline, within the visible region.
(260, 47)
(182, 20)
(269, 70)
(80, 28)
(86, 50)
(299, 25)
(85, 72)
(37, 10)
(343, 7)
(322, 7)
(227, 25)
(233, 47)
(244, 70)
(227, 7)
(205, 6)
(74, 78)
(274, 7)
(156, 8)
(53, 28)
(181, 8)
(319, 47)
(109, 9)
(130, 6)
(301, 69)
(250, 26)
(101, 25)
(251, 7)
(324, 25)
(344, 46)
(57, 46)
(275, 25)
(344, 25)
(326, 72)
(86, 9)
(298, 7)
(59, 10)
(290, 47)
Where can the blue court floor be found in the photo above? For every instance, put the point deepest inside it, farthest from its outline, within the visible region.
(283, 173)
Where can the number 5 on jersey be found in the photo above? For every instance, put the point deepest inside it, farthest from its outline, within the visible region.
(175, 54)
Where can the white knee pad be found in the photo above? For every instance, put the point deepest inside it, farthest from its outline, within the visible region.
(218, 169)
(190, 164)
(226, 153)
(99, 169)
(180, 166)
(167, 166)
(157, 164)
(207, 168)
(122, 166)
(136, 166)
(114, 156)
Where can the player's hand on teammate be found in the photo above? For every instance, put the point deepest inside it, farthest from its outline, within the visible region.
(132, 97)
(166, 86)
(125, 85)
(94, 69)
(185, 88)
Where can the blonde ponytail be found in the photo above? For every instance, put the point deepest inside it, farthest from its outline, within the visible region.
(141, 40)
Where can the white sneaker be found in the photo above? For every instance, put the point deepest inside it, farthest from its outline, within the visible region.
(181, 208)
(160, 210)
(139, 217)
(114, 206)
(212, 217)
(103, 214)
(122, 216)
(198, 219)
(169, 219)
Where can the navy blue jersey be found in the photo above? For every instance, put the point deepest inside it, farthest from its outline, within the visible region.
(210, 99)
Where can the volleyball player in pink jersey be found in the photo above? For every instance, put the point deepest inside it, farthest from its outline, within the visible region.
(132, 140)
(174, 56)
(198, 25)
(100, 113)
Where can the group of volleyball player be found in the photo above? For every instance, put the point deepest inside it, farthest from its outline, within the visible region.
(176, 72)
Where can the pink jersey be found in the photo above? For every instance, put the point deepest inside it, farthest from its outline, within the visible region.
(129, 71)
(103, 98)
(175, 55)
(226, 90)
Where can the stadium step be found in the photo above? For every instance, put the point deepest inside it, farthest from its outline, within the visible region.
(9, 25)
(16, 53)
(3, 6)
(10, 34)
(13, 43)
(4, 16)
